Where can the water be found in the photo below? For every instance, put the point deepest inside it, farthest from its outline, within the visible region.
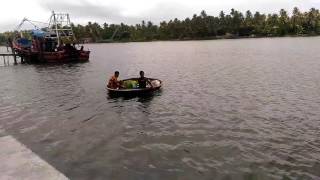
(229, 109)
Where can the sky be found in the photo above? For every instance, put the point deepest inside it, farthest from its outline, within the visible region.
(134, 11)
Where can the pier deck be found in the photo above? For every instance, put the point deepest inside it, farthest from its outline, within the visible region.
(19, 162)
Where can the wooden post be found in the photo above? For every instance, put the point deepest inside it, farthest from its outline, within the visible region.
(14, 57)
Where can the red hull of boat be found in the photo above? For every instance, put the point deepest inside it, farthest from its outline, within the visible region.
(51, 57)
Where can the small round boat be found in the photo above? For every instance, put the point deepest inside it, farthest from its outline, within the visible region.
(131, 87)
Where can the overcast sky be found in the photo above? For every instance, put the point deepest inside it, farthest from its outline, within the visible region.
(133, 11)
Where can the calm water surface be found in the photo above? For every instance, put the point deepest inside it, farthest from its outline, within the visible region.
(229, 109)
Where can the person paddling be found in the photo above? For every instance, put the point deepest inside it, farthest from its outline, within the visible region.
(114, 83)
(142, 81)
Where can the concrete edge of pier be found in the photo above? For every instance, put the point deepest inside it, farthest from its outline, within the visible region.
(18, 162)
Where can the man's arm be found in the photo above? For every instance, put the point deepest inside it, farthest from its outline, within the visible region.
(148, 81)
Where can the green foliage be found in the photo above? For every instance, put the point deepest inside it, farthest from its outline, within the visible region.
(2, 39)
(204, 26)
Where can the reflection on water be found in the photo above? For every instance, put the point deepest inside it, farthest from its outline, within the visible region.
(229, 109)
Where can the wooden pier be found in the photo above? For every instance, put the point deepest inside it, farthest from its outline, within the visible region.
(10, 55)
(6, 58)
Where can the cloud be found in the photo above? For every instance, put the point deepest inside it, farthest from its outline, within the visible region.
(166, 11)
(84, 10)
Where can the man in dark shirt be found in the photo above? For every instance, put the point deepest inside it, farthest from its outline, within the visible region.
(142, 80)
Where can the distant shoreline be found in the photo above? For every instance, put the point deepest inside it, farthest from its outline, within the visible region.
(207, 38)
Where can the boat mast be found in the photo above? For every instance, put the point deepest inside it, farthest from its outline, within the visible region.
(60, 26)
(56, 26)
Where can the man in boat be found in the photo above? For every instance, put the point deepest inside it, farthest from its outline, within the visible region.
(142, 81)
(114, 83)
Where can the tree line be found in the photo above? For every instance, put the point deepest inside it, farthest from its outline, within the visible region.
(203, 26)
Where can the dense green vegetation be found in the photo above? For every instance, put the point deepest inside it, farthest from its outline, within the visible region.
(203, 26)
(2, 39)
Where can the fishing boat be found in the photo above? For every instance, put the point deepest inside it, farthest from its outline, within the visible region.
(54, 43)
(131, 87)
